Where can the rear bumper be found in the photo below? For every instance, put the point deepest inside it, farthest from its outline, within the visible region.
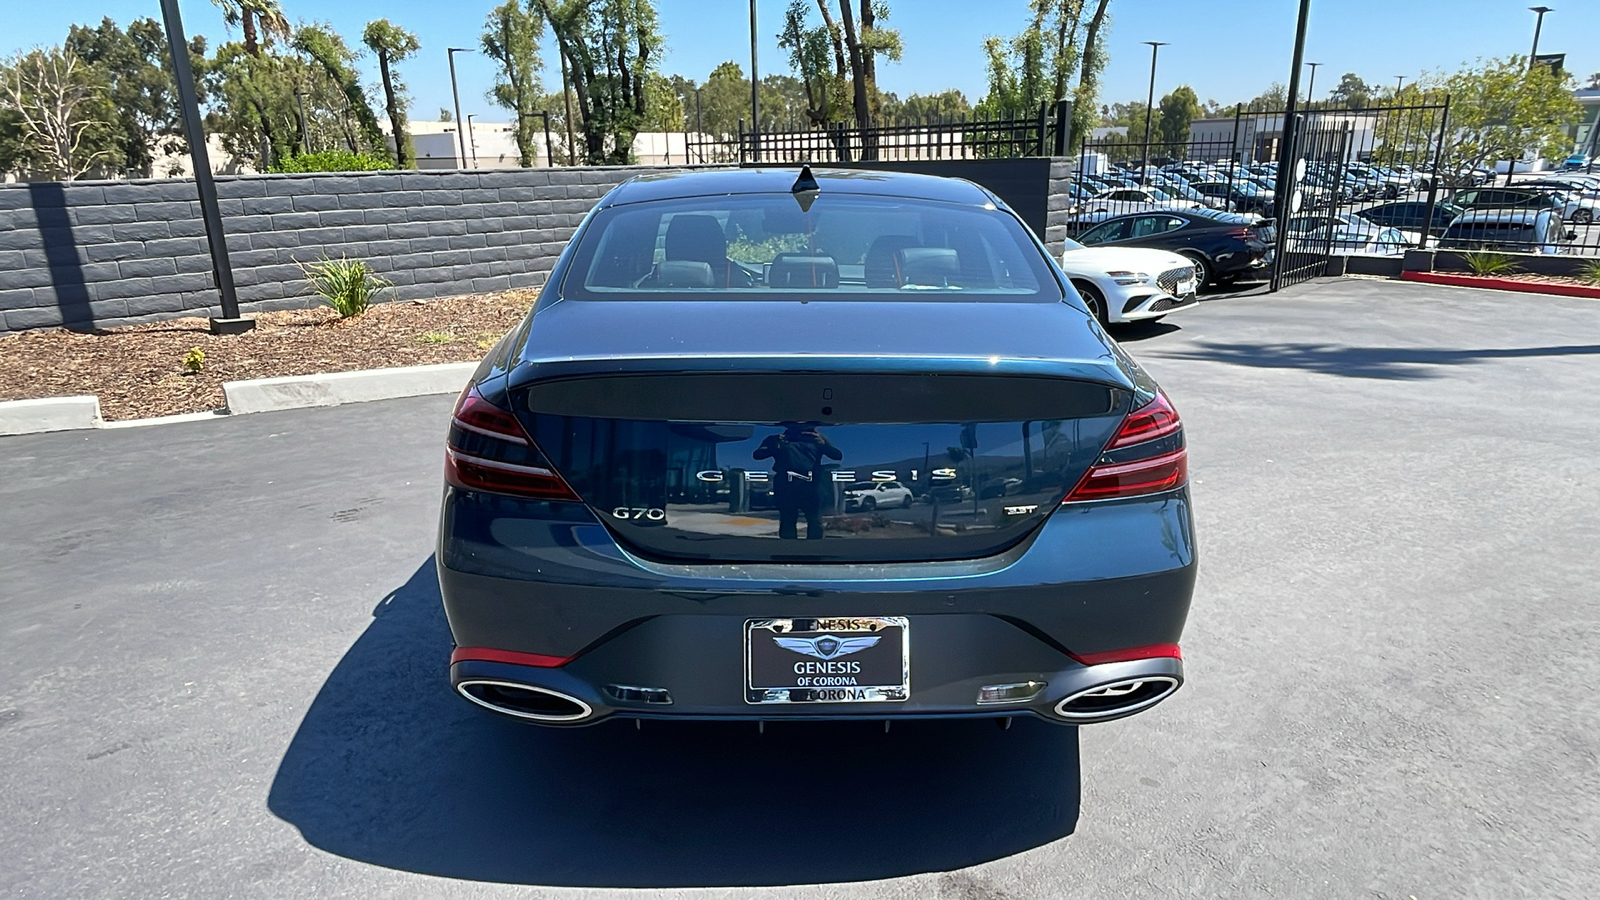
(548, 579)
(691, 668)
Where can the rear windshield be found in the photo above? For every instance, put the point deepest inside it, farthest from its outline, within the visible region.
(844, 245)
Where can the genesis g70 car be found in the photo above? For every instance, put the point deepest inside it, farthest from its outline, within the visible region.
(657, 485)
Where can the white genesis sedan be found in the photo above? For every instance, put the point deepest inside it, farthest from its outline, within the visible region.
(1130, 284)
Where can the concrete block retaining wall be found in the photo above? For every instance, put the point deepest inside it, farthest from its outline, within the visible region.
(94, 254)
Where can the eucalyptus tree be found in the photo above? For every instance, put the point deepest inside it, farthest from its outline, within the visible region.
(392, 44)
(511, 36)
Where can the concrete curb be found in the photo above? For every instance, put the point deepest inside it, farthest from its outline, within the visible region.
(300, 391)
(49, 414)
(257, 395)
(1503, 284)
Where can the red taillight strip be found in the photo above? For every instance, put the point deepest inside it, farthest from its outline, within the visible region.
(497, 435)
(1150, 421)
(537, 471)
(1133, 479)
(1153, 651)
(489, 654)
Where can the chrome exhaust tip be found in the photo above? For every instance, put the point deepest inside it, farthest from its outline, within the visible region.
(524, 700)
(1115, 699)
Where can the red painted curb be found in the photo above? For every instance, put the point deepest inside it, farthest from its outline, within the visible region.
(1503, 284)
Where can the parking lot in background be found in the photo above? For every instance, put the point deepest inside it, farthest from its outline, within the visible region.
(222, 662)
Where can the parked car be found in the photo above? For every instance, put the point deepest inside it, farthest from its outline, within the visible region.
(1240, 196)
(1577, 161)
(1516, 198)
(1130, 284)
(865, 495)
(582, 582)
(1577, 204)
(1345, 235)
(1222, 246)
(1507, 229)
(1412, 215)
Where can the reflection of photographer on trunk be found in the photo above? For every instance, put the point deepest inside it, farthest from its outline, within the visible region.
(798, 477)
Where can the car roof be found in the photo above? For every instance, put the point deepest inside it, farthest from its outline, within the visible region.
(780, 179)
(1510, 215)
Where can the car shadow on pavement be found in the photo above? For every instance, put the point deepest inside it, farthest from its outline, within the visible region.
(390, 768)
(1402, 363)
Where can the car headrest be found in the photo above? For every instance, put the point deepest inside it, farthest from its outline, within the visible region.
(696, 237)
(879, 263)
(681, 273)
(801, 270)
(934, 266)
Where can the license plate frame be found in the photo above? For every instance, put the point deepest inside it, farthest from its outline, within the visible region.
(880, 677)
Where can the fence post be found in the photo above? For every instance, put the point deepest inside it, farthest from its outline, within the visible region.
(1063, 119)
(1044, 124)
(1433, 183)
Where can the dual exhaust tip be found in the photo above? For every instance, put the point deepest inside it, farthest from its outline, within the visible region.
(1100, 703)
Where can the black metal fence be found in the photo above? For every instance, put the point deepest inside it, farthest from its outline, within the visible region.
(1374, 181)
(1042, 134)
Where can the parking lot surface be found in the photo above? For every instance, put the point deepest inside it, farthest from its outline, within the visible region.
(222, 662)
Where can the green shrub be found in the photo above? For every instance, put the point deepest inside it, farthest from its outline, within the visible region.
(331, 161)
(194, 360)
(435, 337)
(1590, 271)
(1489, 263)
(347, 285)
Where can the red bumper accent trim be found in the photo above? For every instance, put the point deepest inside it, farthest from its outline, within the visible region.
(1153, 651)
(489, 654)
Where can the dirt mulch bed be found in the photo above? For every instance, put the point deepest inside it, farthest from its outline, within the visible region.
(138, 370)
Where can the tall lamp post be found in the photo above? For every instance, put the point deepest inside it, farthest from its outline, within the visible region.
(1149, 105)
(1311, 86)
(755, 92)
(210, 213)
(1538, 26)
(472, 140)
(461, 136)
(1399, 82)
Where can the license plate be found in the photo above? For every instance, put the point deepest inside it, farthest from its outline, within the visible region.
(846, 659)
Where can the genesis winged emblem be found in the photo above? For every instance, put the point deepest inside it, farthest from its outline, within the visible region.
(827, 646)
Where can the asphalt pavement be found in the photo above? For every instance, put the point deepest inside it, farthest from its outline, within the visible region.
(222, 663)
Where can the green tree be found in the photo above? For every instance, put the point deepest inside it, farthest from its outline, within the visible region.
(392, 44)
(945, 106)
(663, 109)
(1273, 99)
(135, 67)
(62, 116)
(609, 47)
(511, 38)
(1502, 109)
(821, 71)
(1350, 93)
(336, 105)
(1064, 39)
(1178, 110)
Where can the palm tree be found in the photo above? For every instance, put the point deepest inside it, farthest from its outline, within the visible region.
(258, 19)
(392, 44)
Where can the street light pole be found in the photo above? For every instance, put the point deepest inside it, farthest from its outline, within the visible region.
(461, 136)
(210, 213)
(1149, 105)
(472, 140)
(755, 92)
(1399, 82)
(699, 127)
(1311, 86)
(1538, 26)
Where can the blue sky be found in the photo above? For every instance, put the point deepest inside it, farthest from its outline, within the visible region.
(1226, 50)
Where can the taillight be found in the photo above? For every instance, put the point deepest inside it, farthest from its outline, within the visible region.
(1146, 456)
(490, 451)
(1243, 234)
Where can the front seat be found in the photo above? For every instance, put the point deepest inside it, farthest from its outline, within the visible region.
(699, 238)
(881, 266)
